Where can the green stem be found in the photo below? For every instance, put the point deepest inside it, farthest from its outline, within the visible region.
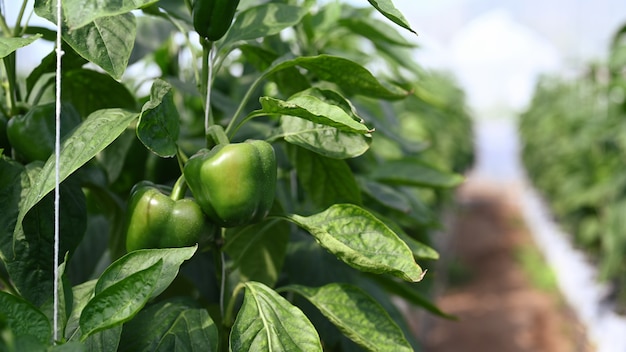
(182, 159)
(216, 135)
(180, 188)
(18, 22)
(206, 82)
(10, 83)
(230, 309)
(247, 118)
(4, 26)
(233, 122)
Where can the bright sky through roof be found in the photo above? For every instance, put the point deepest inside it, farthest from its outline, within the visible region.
(497, 49)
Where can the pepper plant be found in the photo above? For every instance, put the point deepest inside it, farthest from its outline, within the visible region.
(255, 193)
(580, 122)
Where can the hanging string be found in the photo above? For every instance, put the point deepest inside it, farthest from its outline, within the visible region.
(57, 151)
(207, 105)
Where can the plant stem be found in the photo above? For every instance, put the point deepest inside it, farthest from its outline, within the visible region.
(181, 158)
(207, 81)
(180, 187)
(18, 23)
(4, 26)
(245, 99)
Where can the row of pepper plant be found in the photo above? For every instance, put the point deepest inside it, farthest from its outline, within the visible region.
(574, 142)
(235, 175)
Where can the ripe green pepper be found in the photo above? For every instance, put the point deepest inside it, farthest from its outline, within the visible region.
(213, 18)
(233, 183)
(158, 221)
(32, 135)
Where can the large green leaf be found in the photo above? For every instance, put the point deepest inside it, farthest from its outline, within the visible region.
(264, 20)
(107, 42)
(81, 295)
(30, 262)
(375, 30)
(171, 325)
(361, 240)
(135, 261)
(78, 13)
(258, 250)
(326, 181)
(324, 140)
(121, 301)
(9, 45)
(413, 172)
(349, 75)
(24, 319)
(357, 315)
(388, 10)
(313, 109)
(268, 322)
(410, 294)
(159, 123)
(87, 140)
(15, 182)
(89, 90)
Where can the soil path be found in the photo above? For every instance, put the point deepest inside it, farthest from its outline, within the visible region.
(499, 308)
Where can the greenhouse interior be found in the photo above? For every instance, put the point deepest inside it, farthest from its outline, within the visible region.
(313, 175)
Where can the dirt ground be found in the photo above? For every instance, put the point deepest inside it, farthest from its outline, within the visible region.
(500, 308)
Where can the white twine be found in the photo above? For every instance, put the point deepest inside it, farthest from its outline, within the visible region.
(57, 151)
(207, 107)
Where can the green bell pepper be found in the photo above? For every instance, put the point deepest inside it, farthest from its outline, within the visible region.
(32, 135)
(158, 221)
(213, 18)
(233, 183)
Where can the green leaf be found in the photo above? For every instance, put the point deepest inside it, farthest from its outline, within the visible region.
(119, 302)
(410, 294)
(89, 90)
(258, 250)
(65, 301)
(88, 139)
(326, 181)
(78, 13)
(349, 75)
(107, 42)
(69, 347)
(9, 45)
(139, 260)
(81, 294)
(159, 123)
(375, 30)
(263, 21)
(30, 262)
(324, 140)
(413, 172)
(24, 319)
(173, 325)
(385, 195)
(268, 322)
(104, 340)
(14, 181)
(361, 240)
(71, 60)
(357, 315)
(388, 10)
(313, 109)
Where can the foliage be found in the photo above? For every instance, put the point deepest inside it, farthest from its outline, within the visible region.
(573, 148)
(367, 145)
